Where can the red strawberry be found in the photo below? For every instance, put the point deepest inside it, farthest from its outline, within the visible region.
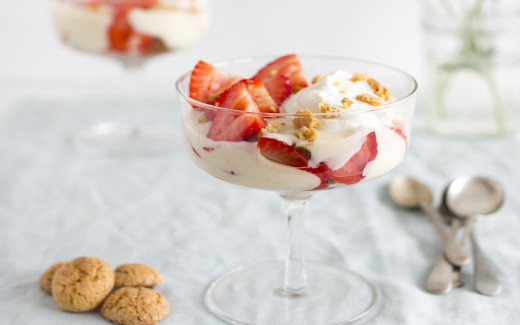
(120, 31)
(261, 96)
(283, 153)
(288, 66)
(256, 89)
(322, 172)
(352, 171)
(279, 88)
(208, 81)
(399, 130)
(236, 126)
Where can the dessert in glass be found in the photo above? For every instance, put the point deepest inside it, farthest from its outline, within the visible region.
(131, 32)
(274, 129)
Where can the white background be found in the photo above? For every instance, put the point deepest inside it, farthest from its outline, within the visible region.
(32, 57)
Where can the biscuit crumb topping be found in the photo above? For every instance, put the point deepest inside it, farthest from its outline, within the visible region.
(306, 134)
(378, 89)
(326, 108)
(360, 76)
(346, 102)
(305, 121)
(271, 127)
(306, 125)
(317, 78)
(369, 99)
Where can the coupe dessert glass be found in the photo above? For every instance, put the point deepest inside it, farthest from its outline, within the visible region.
(350, 147)
(129, 32)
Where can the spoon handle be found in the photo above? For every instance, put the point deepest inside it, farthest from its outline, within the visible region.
(454, 253)
(440, 280)
(485, 280)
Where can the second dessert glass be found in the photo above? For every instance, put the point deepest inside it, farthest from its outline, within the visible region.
(130, 32)
(371, 142)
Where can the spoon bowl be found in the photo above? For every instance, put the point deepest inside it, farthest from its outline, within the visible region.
(409, 192)
(468, 196)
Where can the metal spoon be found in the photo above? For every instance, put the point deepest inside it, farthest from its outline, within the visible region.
(444, 276)
(410, 193)
(470, 197)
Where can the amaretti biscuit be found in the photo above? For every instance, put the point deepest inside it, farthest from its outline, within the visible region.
(46, 278)
(82, 284)
(135, 306)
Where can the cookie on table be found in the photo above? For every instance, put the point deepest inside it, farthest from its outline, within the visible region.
(137, 275)
(46, 278)
(135, 306)
(82, 284)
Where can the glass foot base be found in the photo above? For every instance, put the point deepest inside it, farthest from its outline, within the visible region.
(253, 295)
(126, 139)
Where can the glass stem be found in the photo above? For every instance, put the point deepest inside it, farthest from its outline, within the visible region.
(295, 277)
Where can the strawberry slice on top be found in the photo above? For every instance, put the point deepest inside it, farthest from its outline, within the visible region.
(288, 66)
(279, 88)
(261, 96)
(352, 171)
(208, 82)
(258, 92)
(236, 126)
(282, 152)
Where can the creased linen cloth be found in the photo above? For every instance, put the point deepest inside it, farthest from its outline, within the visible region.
(56, 204)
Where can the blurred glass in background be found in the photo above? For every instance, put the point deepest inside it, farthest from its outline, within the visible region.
(472, 72)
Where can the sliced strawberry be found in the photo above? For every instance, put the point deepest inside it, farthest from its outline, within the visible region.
(123, 37)
(236, 126)
(283, 153)
(399, 130)
(229, 126)
(322, 172)
(120, 31)
(279, 87)
(208, 81)
(352, 171)
(288, 66)
(260, 95)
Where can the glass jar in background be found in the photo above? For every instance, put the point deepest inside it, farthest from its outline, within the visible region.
(472, 61)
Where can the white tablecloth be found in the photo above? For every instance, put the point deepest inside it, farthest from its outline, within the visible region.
(56, 204)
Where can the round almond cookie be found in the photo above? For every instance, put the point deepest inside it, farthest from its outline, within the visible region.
(82, 284)
(135, 306)
(46, 278)
(137, 275)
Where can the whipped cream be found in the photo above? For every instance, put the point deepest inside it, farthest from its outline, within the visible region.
(331, 89)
